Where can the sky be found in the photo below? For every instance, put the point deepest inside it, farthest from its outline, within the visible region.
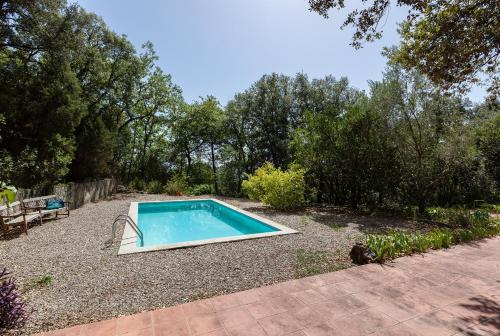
(221, 47)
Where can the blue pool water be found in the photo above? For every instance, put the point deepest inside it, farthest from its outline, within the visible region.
(175, 222)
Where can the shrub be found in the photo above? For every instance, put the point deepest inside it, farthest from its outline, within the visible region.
(495, 208)
(137, 184)
(481, 215)
(154, 187)
(177, 185)
(200, 189)
(275, 187)
(13, 311)
(457, 217)
(396, 243)
(254, 185)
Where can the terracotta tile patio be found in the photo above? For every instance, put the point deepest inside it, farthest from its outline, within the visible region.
(447, 292)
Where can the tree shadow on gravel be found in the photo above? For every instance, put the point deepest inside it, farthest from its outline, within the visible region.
(338, 217)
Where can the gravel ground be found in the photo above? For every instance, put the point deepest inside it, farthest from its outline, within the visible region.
(91, 282)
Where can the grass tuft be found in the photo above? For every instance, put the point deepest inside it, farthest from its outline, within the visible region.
(44, 280)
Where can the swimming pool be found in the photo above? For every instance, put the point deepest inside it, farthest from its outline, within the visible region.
(184, 223)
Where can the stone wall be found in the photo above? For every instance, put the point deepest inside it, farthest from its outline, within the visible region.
(77, 193)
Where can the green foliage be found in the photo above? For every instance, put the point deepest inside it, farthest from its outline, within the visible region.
(155, 187)
(275, 187)
(137, 184)
(177, 185)
(495, 208)
(7, 192)
(397, 243)
(452, 42)
(200, 189)
(72, 94)
(457, 217)
(79, 102)
(255, 185)
(335, 226)
(39, 282)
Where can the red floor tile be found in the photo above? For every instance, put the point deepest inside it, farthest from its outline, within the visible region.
(262, 309)
(278, 325)
(430, 294)
(134, 322)
(235, 316)
(204, 323)
(247, 329)
(103, 328)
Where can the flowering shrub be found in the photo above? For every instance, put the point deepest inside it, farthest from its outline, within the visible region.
(13, 311)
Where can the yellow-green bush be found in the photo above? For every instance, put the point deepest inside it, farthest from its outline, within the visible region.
(275, 187)
(177, 185)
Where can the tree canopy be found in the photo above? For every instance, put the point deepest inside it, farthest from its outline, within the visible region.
(454, 43)
(79, 102)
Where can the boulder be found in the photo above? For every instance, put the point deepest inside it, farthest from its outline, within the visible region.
(361, 254)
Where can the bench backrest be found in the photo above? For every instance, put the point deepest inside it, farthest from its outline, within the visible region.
(38, 201)
(12, 209)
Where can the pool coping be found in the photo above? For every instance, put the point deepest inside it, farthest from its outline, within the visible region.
(129, 239)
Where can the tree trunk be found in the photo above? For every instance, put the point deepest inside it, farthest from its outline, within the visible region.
(188, 157)
(214, 169)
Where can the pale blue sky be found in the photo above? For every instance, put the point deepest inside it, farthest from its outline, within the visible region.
(221, 47)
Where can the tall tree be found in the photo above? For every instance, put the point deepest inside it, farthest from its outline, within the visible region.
(454, 43)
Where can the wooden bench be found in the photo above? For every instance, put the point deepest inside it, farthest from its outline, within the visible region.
(13, 215)
(39, 204)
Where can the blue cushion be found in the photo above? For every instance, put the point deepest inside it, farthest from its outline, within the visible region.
(54, 204)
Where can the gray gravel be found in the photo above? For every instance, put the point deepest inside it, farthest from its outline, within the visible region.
(90, 282)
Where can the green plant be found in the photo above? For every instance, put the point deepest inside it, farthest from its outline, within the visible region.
(154, 187)
(38, 282)
(177, 185)
(381, 246)
(456, 217)
(254, 185)
(440, 238)
(481, 215)
(435, 214)
(200, 189)
(495, 208)
(335, 226)
(402, 242)
(275, 187)
(9, 192)
(395, 243)
(137, 184)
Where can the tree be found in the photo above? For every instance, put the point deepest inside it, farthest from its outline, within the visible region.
(452, 42)
(74, 96)
(348, 153)
(213, 133)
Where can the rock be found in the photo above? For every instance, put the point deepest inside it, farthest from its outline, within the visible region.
(360, 254)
